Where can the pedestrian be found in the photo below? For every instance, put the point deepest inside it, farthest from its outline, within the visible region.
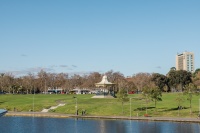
(83, 112)
(76, 112)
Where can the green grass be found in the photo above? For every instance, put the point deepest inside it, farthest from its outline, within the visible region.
(101, 107)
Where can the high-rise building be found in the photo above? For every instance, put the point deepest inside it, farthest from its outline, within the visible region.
(185, 61)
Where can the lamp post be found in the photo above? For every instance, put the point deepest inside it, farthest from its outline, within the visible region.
(33, 100)
(190, 98)
(199, 107)
(130, 107)
(76, 105)
(45, 85)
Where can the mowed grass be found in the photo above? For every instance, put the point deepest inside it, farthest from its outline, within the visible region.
(101, 107)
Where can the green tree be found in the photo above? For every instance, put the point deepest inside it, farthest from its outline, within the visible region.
(173, 68)
(179, 99)
(156, 95)
(122, 97)
(160, 80)
(196, 77)
(179, 78)
(14, 88)
(2, 77)
(191, 90)
(146, 94)
(196, 71)
(185, 78)
(172, 76)
(153, 93)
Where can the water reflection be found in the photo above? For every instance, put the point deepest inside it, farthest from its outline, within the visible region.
(56, 125)
(163, 127)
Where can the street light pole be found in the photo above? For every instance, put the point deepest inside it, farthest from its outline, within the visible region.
(76, 105)
(34, 100)
(199, 107)
(130, 107)
(45, 86)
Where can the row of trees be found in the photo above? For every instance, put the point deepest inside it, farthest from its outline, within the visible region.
(152, 86)
(40, 82)
(181, 81)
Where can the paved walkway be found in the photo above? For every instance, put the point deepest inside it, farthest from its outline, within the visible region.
(53, 107)
(44, 114)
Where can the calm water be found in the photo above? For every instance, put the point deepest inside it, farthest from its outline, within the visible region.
(61, 125)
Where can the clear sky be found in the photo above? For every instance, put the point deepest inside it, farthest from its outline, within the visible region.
(81, 36)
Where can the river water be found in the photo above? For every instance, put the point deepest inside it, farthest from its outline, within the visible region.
(69, 125)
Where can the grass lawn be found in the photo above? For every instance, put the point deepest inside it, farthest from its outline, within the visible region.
(101, 107)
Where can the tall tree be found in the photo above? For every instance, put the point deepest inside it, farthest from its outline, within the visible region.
(27, 82)
(152, 92)
(141, 80)
(76, 81)
(156, 95)
(8, 82)
(179, 99)
(160, 80)
(179, 78)
(173, 81)
(2, 77)
(115, 77)
(196, 77)
(184, 78)
(146, 94)
(91, 79)
(42, 80)
(122, 97)
(191, 90)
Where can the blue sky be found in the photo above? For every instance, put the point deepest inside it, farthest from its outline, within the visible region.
(82, 36)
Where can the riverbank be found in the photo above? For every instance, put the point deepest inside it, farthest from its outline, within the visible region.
(45, 107)
(96, 107)
(56, 115)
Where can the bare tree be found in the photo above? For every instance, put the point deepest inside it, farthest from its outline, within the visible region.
(27, 82)
(141, 80)
(60, 80)
(8, 80)
(90, 80)
(42, 80)
(2, 77)
(76, 81)
(115, 77)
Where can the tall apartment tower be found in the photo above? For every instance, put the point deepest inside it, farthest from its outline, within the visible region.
(185, 61)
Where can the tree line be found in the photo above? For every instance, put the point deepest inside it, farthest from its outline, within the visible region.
(36, 83)
(151, 86)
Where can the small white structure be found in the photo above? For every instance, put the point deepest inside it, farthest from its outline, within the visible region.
(104, 82)
(105, 88)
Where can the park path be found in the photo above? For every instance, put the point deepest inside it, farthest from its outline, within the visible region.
(53, 107)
